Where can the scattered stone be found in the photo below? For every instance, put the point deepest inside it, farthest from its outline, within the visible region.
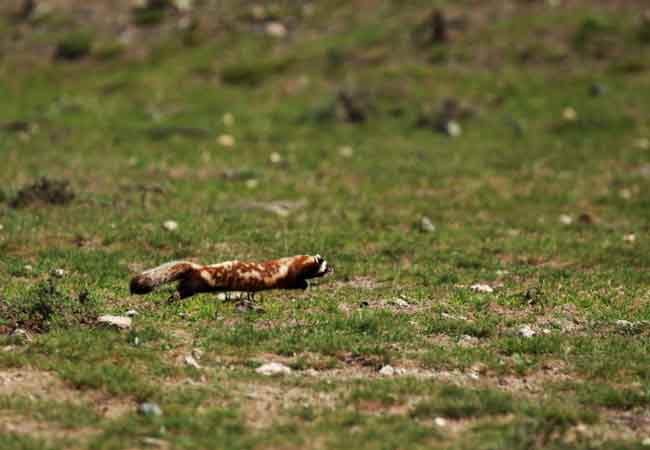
(28, 267)
(646, 442)
(59, 273)
(426, 225)
(190, 361)
(526, 331)
(401, 303)
(629, 237)
(170, 225)
(452, 129)
(252, 184)
(273, 368)
(280, 208)
(20, 336)
(231, 296)
(275, 158)
(226, 140)
(387, 371)
(346, 151)
(182, 5)
(228, 119)
(276, 30)
(440, 422)
(155, 442)
(1, 227)
(569, 114)
(566, 219)
(149, 409)
(468, 341)
(643, 143)
(131, 313)
(625, 194)
(120, 322)
(482, 288)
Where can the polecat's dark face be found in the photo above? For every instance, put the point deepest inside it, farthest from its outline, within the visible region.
(315, 268)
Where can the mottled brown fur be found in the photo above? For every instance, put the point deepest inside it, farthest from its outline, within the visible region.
(285, 273)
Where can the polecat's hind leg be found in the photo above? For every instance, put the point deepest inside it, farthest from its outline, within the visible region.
(183, 290)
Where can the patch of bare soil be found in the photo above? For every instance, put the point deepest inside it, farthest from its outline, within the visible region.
(43, 385)
(16, 424)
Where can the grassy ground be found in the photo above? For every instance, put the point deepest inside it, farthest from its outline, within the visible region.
(542, 197)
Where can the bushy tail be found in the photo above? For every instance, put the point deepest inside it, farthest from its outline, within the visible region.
(148, 280)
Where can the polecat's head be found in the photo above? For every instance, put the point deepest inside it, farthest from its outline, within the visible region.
(314, 266)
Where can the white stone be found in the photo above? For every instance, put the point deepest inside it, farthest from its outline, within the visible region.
(170, 225)
(275, 158)
(228, 119)
(1, 227)
(273, 368)
(401, 303)
(566, 219)
(440, 422)
(526, 331)
(629, 237)
(60, 273)
(121, 322)
(28, 267)
(483, 288)
(427, 225)
(191, 361)
(569, 114)
(387, 370)
(252, 184)
(276, 29)
(346, 151)
(226, 140)
(453, 129)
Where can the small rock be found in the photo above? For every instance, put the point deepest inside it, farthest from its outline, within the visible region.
(625, 194)
(190, 361)
(252, 184)
(426, 225)
(629, 237)
(401, 303)
(273, 368)
(646, 442)
(1, 227)
(275, 158)
(183, 5)
(483, 288)
(155, 442)
(643, 143)
(149, 409)
(569, 114)
(467, 341)
(170, 225)
(346, 151)
(453, 129)
(276, 29)
(28, 267)
(440, 422)
(123, 323)
(566, 219)
(526, 331)
(228, 119)
(21, 336)
(226, 140)
(59, 273)
(387, 371)
(131, 313)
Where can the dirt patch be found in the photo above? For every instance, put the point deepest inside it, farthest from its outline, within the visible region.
(43, 192)
(15, 424)
(46, 386)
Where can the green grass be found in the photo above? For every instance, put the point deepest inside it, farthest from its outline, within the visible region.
(99, 152)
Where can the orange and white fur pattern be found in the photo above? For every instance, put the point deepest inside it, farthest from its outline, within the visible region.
(285, 273)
